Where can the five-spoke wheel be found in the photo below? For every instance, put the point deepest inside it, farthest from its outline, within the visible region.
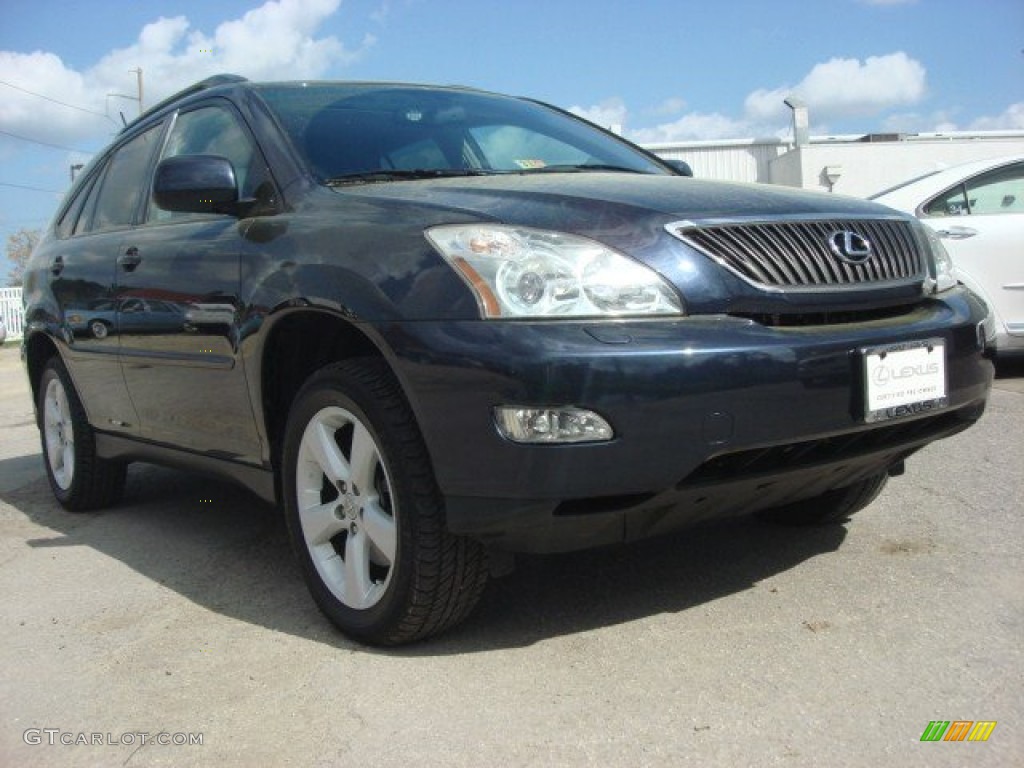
(365, 516)
(345, 507)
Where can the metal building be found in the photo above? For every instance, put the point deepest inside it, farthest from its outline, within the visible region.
(850, 165)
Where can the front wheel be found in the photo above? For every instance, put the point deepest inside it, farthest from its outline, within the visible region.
(832, 507)
(365, 515)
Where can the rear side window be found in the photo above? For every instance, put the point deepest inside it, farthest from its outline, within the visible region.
(66, 225)
(994, 192)
(999, 191)
(126, 182)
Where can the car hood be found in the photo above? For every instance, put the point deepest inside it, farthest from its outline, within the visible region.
(673, 197)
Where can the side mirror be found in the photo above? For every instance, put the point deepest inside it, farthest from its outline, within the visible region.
(679, 166)
(196, 184)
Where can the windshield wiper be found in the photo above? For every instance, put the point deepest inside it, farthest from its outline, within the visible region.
(581, 168)
(395, 174)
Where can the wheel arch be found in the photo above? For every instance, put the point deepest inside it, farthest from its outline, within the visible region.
(297, 345)
(39, 348)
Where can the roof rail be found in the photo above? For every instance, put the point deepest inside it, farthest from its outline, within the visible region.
(202, 85)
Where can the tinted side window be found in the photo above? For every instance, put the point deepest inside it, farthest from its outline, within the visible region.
(126, 182)
(82, 224)
(66, 225)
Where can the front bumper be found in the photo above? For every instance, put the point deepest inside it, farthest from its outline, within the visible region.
(690, 400)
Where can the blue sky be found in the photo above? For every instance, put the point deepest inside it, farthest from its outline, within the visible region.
(662, 70)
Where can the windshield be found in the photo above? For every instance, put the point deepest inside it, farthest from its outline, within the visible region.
(365, 131)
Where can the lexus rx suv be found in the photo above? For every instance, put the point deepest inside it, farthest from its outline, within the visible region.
(439, 325)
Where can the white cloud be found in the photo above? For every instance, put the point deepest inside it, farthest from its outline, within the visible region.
(274, 41)
(940, 121)
(943, 121)
(842, 88)
(695, 126)
(610, 112)
(1011, 119)
(670, 106)
(835, 89)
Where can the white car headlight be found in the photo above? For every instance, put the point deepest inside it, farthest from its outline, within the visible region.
(528, 273)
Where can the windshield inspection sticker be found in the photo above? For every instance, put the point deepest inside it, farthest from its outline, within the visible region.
(904, 379)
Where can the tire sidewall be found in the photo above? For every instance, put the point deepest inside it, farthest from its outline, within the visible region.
(330, 389)
(55, 370)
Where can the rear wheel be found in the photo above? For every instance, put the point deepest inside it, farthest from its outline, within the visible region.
(364, 513)
(832, 507)
(99, 329)
(79, 478)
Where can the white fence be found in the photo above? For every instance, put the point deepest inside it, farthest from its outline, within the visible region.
(11, 312)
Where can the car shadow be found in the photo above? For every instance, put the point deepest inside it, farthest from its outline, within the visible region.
(1010, 368)
(224, 549)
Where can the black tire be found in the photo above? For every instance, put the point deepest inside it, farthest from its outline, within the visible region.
(377, 559)
(835, 506)
(80, 479)
(99, 329)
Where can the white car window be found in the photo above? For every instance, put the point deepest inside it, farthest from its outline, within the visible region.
(998, 191)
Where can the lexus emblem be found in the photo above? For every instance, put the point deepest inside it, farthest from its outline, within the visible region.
(850, 247)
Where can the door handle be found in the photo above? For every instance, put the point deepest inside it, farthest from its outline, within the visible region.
(57, 266)
(957, 233)
(1014, 287)
(130, 259)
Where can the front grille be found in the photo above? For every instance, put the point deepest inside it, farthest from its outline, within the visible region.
(808, 319)
(797, 256)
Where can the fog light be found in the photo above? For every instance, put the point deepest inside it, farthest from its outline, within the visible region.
(551, 425)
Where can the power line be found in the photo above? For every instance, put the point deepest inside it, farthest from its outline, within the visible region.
(55, 101)
(33, 188)
(46, 144)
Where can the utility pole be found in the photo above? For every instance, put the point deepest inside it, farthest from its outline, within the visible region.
(138, 72)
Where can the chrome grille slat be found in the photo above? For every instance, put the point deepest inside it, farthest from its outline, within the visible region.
(896, 259)
(795, 254)
(794, 268)
(749, 257)
(814, 276)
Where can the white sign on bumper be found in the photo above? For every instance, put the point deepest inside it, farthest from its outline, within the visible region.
(904, 379)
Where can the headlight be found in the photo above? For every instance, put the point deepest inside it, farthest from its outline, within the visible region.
(519, 272)
(942, 264)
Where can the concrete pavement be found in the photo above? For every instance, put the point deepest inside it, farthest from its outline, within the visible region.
(180, 612)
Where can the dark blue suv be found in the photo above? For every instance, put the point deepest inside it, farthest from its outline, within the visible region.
(438, 325)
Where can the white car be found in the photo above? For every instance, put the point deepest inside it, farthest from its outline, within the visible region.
(978, 210)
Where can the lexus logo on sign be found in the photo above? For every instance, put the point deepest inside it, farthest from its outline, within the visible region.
(850, 247)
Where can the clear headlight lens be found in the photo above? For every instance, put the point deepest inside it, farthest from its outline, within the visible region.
(520, 272)
(941, 262)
